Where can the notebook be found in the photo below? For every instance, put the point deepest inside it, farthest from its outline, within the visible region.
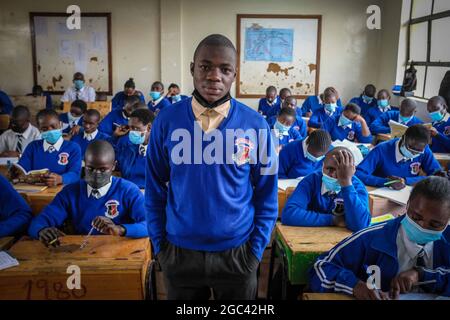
(7, 161)
(284, 184)
(398, 196)
(7, 261)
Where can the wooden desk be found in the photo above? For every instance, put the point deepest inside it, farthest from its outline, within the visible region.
(38, 200)
(302, 245)
(6, 242)
(326, 296)
(283, 196)
(383, 137)
(103, 107)
(111, 268)
(4, 170)
(379, 206)
(443, 158)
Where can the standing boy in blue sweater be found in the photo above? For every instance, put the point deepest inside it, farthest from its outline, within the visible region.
(132, 148)
(407, 251)
(302, 157)
(61, 157)
(398, 162)
(211, 209)
(405, 116)
(440, 132)
(108, 204)
(332, 197)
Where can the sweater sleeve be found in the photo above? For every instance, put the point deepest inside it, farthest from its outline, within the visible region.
(138, 229)
(381, 125)
(367, 167)
(73, 167)
(356, 204)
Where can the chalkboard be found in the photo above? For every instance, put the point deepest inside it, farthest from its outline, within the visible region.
(59, 52)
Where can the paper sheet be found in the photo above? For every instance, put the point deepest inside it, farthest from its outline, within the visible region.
(6, 161)
(422, 296)
(397, 196)
(353, 147)
(397, 129)
(283, 184)
(6, 261)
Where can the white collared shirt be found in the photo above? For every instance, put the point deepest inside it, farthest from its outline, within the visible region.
(55, 146)
(103, 190)
(156, 102)
(9, 139)
(87, 94)
(90, 136)
(388, 108)
(407, 252)
(320, 100)
(143, 146)
(305, 147)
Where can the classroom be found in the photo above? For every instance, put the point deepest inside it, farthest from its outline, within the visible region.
(190, 150)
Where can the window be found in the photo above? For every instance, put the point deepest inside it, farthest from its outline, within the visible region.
(428, 45)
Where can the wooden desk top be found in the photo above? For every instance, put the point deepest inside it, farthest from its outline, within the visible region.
(326, 296)
(6, 242)
(311, 239)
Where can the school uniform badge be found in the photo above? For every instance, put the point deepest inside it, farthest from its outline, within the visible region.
(297, 128)
(112, 210)
(351, 135)
(63, 158)
(244, 147)
(338, 208)
(447, 131)
(415, 168)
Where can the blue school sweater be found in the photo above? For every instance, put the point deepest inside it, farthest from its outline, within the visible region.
(381, 162)
(307, 207)
(293, 164)
(381, 124)
(66, 162)
(118, 101)
(284, 140)
(312, 104)
(83, 143)
(6, 104)
(15, 214)
(441, 143)
(123, 204)
(265, 108)
(340, 269)
(161, 105)
(130, 162)
(172, 101)
(299, 125)
(64, 118)
(374, 113)
(320, 116)
(353, 133)
(107, 125)
(365, 107)
(211, 207)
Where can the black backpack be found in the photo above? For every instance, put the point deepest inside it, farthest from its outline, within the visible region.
(444, 90)
(409, 80)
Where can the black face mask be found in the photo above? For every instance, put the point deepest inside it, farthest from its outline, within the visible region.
(97, 179)
(206, 104)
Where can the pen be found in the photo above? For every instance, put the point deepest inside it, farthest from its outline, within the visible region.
(424, 283)
(85, 241)
(53, 241)
(392, 182)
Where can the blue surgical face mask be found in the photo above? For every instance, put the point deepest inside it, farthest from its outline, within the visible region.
(136, 137)
(344, 121)
(404, 119)
(51, 136)
(367, 99)
(383, 103)
(176, 98)
(436, 116)
(310, 157)
(417, 234)
(73, 118)
(79, 84)
(155, 95)
(281, 127)
(408, 154)
(331, 107)
(330, 183)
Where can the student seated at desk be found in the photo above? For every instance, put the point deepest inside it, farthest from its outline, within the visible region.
(72, 120)
(89, 132)
(282, 128)
(382, 106)
(61, 157)
(405, 116)
(331, 197)
(15, 214)
(131, 149)
(14, 140)
(302, 157)
(440, 132)
(174, 94)
(158, 100)
(315, 103)
(408, 250)
(329, 109)
(366, 100)
(299, 124)
(284, 93)
(349, 125)
(398, 162)
(79, 90)
(6, 104)
(114, 120)
(37, 91)
(269, 101)
(129, 89)
(110, 205)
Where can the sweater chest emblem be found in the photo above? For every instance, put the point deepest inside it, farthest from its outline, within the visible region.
(415, 168)
(63, 158)
(112, 210)
(351, 135)
(244, 148)
(447, 131)
(338, 208)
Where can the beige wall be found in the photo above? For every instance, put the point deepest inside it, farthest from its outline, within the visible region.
(155, 39)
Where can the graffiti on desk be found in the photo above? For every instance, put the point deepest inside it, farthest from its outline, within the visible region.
(53, 290)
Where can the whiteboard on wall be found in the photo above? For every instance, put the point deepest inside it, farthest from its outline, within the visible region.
(278, 50)
(59, 52)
